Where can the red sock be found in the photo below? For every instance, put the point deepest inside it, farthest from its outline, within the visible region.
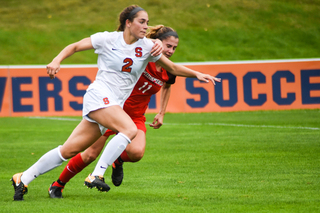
(124, 157)
(74, 166)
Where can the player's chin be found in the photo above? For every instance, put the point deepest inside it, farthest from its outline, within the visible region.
(142, 35)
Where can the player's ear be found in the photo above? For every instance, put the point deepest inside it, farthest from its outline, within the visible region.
(128, 23)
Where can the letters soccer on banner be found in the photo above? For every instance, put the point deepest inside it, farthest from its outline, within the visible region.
(245, 86)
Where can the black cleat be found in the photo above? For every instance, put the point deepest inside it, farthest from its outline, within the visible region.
(19, 188)
(96, 182)
(55, 191)
(117, 174)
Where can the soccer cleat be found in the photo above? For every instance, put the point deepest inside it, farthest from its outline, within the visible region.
(55, 191)
(97, 182)
(117, 174)
(19, 188)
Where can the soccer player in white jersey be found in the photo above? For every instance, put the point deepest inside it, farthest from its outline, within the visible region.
(122, 57)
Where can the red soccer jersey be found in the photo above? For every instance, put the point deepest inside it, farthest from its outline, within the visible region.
(148, 84)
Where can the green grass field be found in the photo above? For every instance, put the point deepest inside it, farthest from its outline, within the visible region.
(261, 161)
(35, 31)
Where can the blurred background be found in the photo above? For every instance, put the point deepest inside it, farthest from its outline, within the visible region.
(34, 31)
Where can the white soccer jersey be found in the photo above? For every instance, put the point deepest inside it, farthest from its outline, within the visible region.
(120, 65)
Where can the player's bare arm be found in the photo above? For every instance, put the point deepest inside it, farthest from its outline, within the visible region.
(54, 67)
(164, 99)
(180, 70)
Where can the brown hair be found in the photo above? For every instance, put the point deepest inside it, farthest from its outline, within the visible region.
(128, 13)
(161, 32)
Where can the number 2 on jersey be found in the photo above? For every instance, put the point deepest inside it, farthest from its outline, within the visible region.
(128, 63)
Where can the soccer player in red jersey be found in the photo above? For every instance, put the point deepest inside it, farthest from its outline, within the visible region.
(151, 81)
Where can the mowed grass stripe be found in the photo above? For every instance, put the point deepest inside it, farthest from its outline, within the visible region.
(196, 124)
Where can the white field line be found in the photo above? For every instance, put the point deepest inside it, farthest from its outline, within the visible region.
(198, 124)
(246, 125)
(56, 118)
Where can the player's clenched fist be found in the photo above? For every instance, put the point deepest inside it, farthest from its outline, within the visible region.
(52, 69)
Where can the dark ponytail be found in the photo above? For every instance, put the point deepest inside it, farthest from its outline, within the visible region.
(161, 32)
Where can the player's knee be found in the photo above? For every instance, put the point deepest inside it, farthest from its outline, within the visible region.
(130, 132)
(136, 154)
(67, 154)
(89, 157)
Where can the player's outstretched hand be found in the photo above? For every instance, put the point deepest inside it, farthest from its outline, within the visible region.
(207, 78)
(52, 69)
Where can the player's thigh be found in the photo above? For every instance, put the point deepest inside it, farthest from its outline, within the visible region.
(116, 119)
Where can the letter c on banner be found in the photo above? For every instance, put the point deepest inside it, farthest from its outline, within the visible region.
(276, 88)
(247, 89)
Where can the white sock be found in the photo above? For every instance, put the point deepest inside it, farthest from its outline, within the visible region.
(47, 162)
(112, 151)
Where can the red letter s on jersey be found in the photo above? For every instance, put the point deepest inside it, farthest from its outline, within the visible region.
(138, 52)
